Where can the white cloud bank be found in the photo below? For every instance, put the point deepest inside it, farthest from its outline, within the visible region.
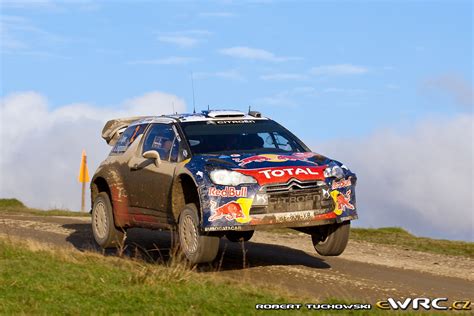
(41, 146)
(244, 52)
(340, 69)
(420, 179)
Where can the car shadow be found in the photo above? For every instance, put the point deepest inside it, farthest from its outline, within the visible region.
(156, 246)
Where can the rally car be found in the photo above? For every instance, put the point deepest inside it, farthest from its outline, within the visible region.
(215, 174)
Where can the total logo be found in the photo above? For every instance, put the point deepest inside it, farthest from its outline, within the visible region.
(283, 174)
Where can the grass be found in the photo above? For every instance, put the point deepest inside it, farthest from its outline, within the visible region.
(35, 279)
(400, 238)
(396, 236)
(41, 281)
(16, 206)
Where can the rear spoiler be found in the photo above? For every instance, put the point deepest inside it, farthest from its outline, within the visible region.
(114, 128)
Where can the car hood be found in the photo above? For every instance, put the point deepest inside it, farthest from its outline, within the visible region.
(266, 168)
(254, 161)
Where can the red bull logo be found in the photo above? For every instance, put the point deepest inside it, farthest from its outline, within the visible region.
(275, 158)
(229, 211)
(340, 184)
(228, 192)
(342, 201)
(235, 210)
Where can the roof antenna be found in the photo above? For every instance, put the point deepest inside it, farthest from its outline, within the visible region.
(208, 108)
(249, 109)
(192, 84)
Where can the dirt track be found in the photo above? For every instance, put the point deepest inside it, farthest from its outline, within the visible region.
(365, 272)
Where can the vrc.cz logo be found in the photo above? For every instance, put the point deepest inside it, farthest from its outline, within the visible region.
(440, 303)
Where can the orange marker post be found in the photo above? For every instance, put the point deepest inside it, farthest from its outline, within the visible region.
(83, 178)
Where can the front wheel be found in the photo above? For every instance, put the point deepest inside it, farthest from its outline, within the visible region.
(196, 248)
(331, 240)
(103, 225)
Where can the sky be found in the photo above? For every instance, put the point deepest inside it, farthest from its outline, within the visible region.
(384, 86)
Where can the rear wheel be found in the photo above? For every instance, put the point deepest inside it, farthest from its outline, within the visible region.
(331, 240)
(103, 225)
(239, 236)
(197, 248)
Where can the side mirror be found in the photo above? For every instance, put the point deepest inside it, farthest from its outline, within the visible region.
(153, 154)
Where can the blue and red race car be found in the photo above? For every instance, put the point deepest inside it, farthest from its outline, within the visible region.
(214, 174)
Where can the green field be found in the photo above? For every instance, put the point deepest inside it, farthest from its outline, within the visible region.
(35, 280)
(16, 206)
(65, 282)
(400, 238)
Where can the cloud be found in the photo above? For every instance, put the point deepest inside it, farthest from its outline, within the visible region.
(286, 98)
(29, 4)
(18, 35)
(226, 74)
(172, 60)
(456, 86)
(254, 54)
(344, 90)
(341, 69)
(183, 41)
(420, 179)
(220, 14)
(283, 76)
(41, 145)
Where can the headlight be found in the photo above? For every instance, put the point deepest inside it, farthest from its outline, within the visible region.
(227, 177)
(334, 171)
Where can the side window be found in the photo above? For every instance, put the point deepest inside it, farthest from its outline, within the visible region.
(175, 151)
(160, 137)
(128, 137)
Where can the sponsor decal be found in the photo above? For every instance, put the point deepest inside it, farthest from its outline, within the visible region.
(219, 228)
(276, 158)
(220, 122)
(295, 199)
(294, 216)
(283, 174)
(439, 303)
(300, 216)
(238, 210)
(340, 184)
(342, 201)
(228, 192)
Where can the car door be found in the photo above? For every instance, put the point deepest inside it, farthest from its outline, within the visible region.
(150, 183)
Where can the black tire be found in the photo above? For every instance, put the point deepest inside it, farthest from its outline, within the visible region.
(195, 247)
(235, 236)
(103, 225)
(331, 240)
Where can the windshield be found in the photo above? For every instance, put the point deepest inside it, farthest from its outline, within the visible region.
(234, 136)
